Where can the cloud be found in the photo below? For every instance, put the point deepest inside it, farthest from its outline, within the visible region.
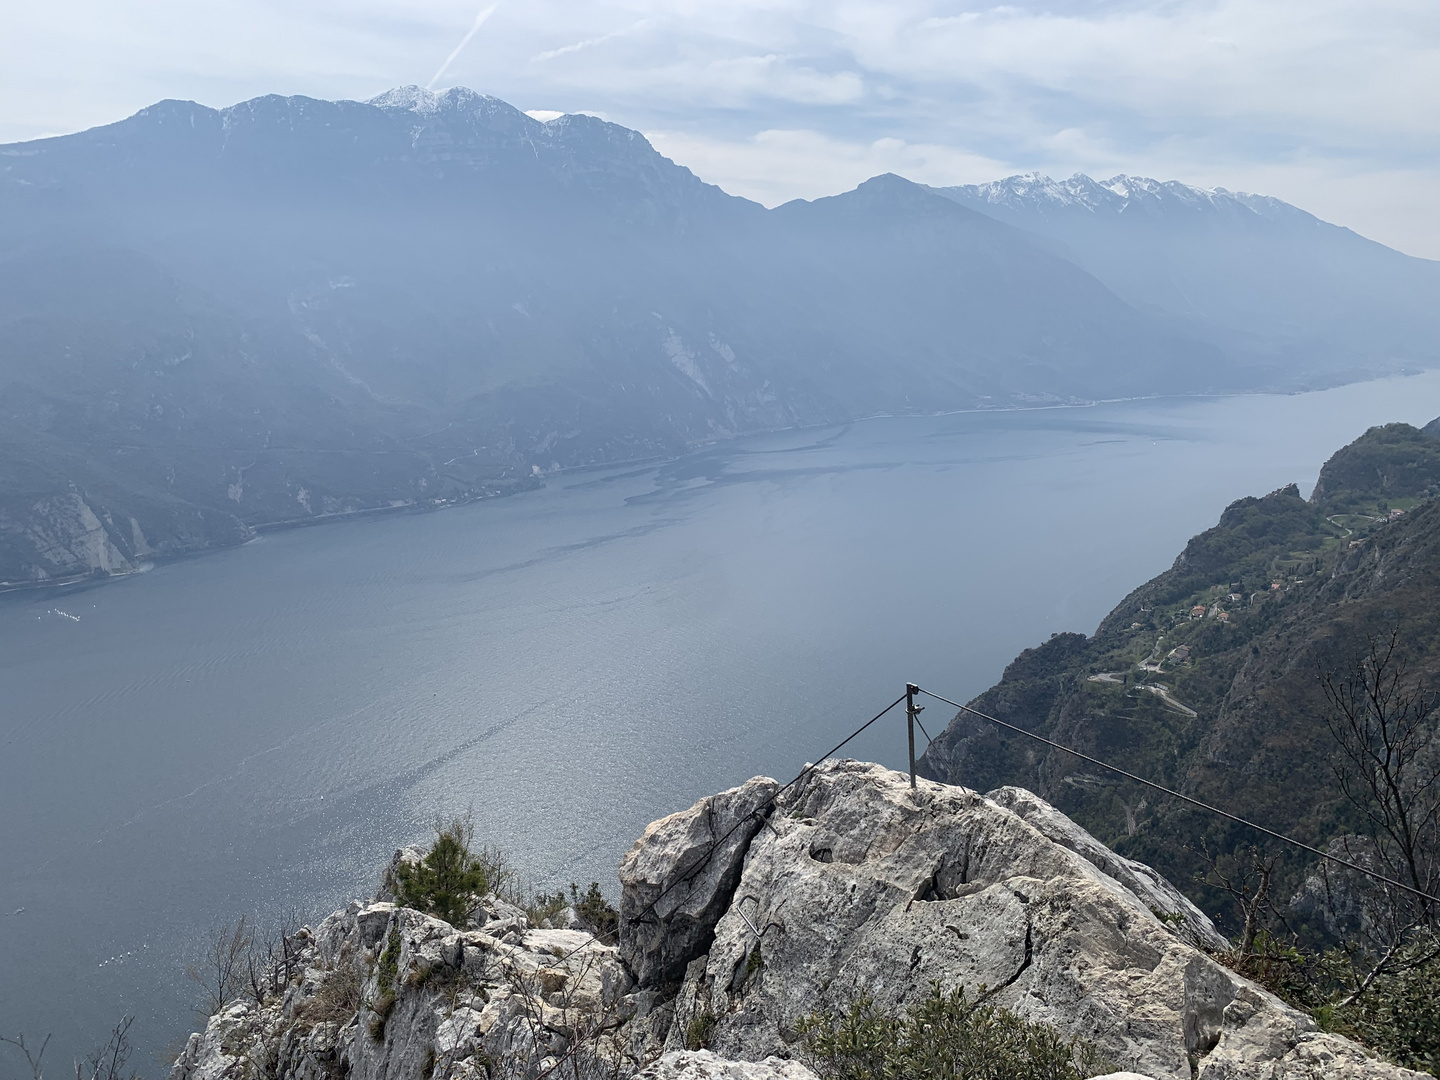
(589, 43)
(1335, 104)
(776, 166)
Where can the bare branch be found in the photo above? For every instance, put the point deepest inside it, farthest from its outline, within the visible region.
(34, 1059)
(224, 968)
(1387, 766)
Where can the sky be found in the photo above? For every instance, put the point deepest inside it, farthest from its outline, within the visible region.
(1332, 105)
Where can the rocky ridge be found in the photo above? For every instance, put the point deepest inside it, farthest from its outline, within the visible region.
(848, 883)
(1261, 277)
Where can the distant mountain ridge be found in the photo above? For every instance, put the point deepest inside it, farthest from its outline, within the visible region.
(1119, 194)
(213, 321)
(1261, 278)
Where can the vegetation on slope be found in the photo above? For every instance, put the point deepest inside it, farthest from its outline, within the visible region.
(449, 880)
(1219, 678)
(1392, 466)
(947, 1036)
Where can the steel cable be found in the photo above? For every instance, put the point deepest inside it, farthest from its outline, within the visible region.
(1186, 798)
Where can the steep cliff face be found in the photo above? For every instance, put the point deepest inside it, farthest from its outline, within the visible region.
(1207, 678)
(68, 535)
(848, 883)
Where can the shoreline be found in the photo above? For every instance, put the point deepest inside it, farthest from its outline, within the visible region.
(538, 480)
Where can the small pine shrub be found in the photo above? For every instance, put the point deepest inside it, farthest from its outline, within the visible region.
(943, 1037)
(595, 911)
(387, 970)
(544, 906)
(754, 962)
(451, 878)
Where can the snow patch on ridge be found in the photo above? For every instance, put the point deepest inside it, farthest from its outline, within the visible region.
(1036, 192)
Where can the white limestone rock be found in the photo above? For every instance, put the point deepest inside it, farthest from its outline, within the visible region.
(678, 878)
(703, 1065)
(851, 884)
(417, 995)
(1157, 893)
(859, 886)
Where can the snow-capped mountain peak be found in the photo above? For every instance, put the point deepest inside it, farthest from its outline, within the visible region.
(1036, 193)
(456, 101)
(414, 98)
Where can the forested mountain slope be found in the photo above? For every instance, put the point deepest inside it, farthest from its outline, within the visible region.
(1207, 678)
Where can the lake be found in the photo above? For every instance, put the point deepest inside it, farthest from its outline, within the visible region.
(258, 729)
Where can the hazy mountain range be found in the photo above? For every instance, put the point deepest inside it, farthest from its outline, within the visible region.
(1259, 277)
(291, 308)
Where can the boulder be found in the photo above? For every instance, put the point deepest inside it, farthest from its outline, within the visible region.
(1157, 893)
(858, 885)
(678, 879)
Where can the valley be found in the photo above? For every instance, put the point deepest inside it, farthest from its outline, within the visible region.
(216, 321)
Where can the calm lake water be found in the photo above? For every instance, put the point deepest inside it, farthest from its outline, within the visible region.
(260, 728)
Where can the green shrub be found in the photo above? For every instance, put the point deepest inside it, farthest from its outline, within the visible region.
(387, 970)
(700, 1030)
(1399, 1014)
(943, 1037)
(595, 911)
(544, 906)
(754, 962)
(450, 879)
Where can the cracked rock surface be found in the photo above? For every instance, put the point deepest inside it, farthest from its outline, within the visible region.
(678, 879)
(386, 993)
(755, 908)
(703, 1065)
(857, 885)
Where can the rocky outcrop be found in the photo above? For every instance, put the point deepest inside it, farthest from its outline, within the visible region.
(679, 878)
(858, 886)
(1153, 890)
(69, 535)
(385, 992)
(756, 908)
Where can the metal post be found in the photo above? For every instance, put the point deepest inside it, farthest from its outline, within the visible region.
(910, 710)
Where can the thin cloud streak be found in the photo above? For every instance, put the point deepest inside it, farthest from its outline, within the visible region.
(565, 50)
(479, 22)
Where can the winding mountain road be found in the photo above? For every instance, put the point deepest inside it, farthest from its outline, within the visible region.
(1160, 690)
